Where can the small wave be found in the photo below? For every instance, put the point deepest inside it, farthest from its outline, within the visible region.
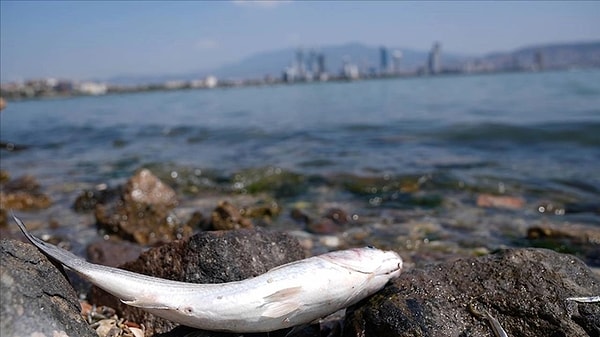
(580, 133)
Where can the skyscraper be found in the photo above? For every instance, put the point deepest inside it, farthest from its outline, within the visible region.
(435, 62)
(300, 66)
(396, 58)
(321, 64)
(383, 60)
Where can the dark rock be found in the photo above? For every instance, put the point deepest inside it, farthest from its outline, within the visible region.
(143, 213)
(324, 226)
(339, 216)
(208, 257)
(299, 216)
(37, 300)
(331, 223)
(23, 193)
(198, 220)
(4, 176)
(3, 217)
(88, 199)
(582, 241)
(25, 183)
(524, 289)
(226, 216)
(263, 211)
(113, 252)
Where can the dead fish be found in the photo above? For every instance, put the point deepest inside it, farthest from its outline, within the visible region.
(289, 295)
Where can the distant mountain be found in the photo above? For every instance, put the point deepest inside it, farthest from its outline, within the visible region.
(273, 63)
(553, 56)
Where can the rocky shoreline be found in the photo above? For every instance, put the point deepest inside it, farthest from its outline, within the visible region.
(524, 289)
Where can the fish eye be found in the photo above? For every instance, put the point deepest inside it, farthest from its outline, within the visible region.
(370, 247)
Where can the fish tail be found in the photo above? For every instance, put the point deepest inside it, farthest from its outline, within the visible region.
(63, 256)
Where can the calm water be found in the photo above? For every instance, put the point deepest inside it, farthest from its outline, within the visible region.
(535, 134)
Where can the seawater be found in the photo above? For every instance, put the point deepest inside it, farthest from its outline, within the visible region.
(527, 125)
(535, 135)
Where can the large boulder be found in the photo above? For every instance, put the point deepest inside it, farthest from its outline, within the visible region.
(208, 257)
(143, 212)
(525, 290)
(37, 300)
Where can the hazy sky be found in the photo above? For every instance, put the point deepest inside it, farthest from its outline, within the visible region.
(86, 39)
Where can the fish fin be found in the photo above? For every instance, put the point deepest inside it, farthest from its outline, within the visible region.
(282, 302)
(145, 304)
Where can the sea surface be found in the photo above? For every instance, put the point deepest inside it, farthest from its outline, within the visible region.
(407, 158)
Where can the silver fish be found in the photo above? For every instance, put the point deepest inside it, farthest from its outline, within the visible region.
(289, 295)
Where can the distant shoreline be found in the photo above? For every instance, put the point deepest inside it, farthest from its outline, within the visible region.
(48, 94)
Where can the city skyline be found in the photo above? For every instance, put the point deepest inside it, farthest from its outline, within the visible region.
(102, 39)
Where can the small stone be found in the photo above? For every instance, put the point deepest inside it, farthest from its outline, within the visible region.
(226, 217)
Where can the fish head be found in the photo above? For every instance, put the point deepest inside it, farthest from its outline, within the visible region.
(380, 264)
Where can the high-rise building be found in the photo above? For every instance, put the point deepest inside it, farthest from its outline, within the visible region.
(300, 66)
(396, 58)
(383, 60)
(321, 64)
(435, 62)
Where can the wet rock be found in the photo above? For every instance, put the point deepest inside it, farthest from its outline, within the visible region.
(263, 211)
(3, 219)
(226, 217)
(500, 201)
(88, 199)
(324, 226)
(146, 188)
(208, 257)
(272, 180)
(25, 183)
(113, 252)
(143, 212)
(37, 300)
(338, 215)
(23, 193)
(524, 289)
(582, 241)
(4, 176)
(299, 216)
(198, 220)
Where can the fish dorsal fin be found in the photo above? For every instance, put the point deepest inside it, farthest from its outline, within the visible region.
(282, 302)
